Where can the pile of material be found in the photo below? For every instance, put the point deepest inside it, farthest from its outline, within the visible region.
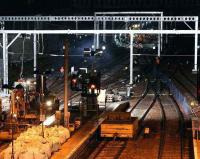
(31, 145)
(5, 99)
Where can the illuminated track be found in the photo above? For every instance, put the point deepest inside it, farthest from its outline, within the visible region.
(189, 83)
(174, 143)
(185, 83)
(187, 78)
(109, 149)
(144, 105)
(116, 148)
(189, 90)
(53, 83)
(144, 108)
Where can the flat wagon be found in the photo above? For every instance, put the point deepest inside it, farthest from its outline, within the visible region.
(119, 124)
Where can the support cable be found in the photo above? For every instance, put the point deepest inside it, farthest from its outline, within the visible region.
(188, 25)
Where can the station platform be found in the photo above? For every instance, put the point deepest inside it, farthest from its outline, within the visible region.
(196, 137)
(69, 148)
(196, 145)
(74, 144)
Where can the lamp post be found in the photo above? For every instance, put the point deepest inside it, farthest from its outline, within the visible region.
(28, 82)
(42, 115)
(12, 120)
(12, 156)
(66, 112)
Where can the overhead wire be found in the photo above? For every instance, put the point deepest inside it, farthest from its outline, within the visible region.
(22, 58)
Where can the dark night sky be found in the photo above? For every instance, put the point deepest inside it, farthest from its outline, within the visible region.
(71, 7)
(88, 7)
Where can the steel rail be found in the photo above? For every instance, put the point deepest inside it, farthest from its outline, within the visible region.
(187, 78)
(142, 97)
(162, 130)
(181, 125)
(184, 87)
(105, 145)
(144, 116)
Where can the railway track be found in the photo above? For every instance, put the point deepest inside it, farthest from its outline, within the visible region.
(162, 130)
(53, 82)
(190, 89)
(144, 115)
(109, 149)
(144, 105)
(188, 85)
(167, 138)
(170, 137)
(171, 143)
(115, 148)
(174, 143)
(185, 83)
(187, 78)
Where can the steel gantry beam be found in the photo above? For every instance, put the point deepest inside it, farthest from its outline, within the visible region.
(196, 45)
(15, 38)
(5, 60)
(153, 13)
(34, 53)
(131, 59)
(99, 18)
(123, 13)
(186, 32)
(160, 25)
(160, 37)
(97, 32)
(159, 19)
(104, 28)
(130, 12)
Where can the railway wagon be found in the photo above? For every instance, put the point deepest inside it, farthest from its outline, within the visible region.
(119, 124)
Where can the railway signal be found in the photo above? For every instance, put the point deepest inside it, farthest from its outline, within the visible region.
(93, 89)
(94, 83)
(74, 83)
(88, 83)
(93, 86)
(87, 52)
(98, 52)
(62, 70)
(41, 79)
